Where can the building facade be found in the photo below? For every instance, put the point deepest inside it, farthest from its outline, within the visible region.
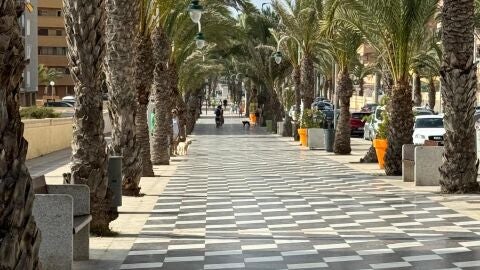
(52, 50)
(29, 87)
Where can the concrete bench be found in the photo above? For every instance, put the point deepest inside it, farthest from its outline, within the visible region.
(427, 161)
(408, 163)
(62, 213)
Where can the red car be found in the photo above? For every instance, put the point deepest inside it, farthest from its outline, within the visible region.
(357, 123)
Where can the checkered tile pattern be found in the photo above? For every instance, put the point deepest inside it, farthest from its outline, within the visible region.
(246, 200)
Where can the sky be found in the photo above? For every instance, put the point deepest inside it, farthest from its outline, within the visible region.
(258, 3)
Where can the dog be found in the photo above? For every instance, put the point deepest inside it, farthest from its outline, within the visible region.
(182, 148)
(246, 123)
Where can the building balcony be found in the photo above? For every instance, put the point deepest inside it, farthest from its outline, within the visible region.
(51, 21)
(52, 41)
(50, 4)
(53, 60)
(64, 80)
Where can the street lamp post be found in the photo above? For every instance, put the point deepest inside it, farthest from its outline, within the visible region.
(52, 84)
(195, 11)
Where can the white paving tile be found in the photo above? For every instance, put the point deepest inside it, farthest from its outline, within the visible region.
(307, 266)
(141, 265)
(219, 266)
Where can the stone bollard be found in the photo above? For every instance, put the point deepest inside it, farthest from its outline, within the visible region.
(115, 179)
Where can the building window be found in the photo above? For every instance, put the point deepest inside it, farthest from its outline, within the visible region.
(42, 31)
(28, 51)
(59, 13)
(52, 50)
(28, 79)
(59, 32)
(28, 28)
(42, 12)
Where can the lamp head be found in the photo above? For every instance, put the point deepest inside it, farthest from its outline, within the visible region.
(278, 57)
(195, 10)
(200, 40)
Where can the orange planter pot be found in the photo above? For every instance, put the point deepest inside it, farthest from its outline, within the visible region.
(380, 148)
(253, 118)
(303, 136)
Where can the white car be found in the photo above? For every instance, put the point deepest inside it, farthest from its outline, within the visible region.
(371, 127)
(428, 127)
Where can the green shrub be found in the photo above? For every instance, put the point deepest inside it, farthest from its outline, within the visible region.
(382, 132)
(312, 118)
(38, 113)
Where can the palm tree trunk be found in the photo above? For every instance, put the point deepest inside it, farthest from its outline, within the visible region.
(459, 81)
(122, 18)
(160, 141)
(343, 130)
(401, 126)
(417, 90)
(362, 87)
(19, 235)
(432, 93)
(308, 81)
(143, 82)
(326, 85)
(86, 49)
(297, 84)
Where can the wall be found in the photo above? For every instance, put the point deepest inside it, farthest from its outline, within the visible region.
(45, 136)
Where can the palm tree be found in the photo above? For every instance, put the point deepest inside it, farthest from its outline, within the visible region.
(360, 71)
(459, 81)
(343, 43)
(46, 75)
(121, 29)
(19, 235)
(143, 74)
(394, 28)
(300, 20)
(86, 48)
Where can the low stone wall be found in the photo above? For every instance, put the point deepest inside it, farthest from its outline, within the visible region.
(45, 136)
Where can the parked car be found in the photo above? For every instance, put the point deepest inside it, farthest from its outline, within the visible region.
(371, 127)
(357, 123)
(369, 107)
(428, 127)
(322, 105)
(417, 111)
(292, 113)
(58, 104)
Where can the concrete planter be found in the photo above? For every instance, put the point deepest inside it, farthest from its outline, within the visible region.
(427, 161)
(316, 138)
(269, 125)
(280, 128)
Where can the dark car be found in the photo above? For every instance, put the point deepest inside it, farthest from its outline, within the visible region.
(58, 104)
(322, 105)
(369, 107)
(357, 122)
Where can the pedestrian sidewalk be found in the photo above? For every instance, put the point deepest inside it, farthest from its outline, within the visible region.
(465, 204)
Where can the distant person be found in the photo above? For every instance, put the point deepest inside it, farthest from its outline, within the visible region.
(176, 131)
(225, 103)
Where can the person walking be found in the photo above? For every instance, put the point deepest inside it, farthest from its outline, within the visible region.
(175, 131)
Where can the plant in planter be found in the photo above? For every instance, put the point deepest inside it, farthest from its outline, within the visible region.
(310, 119)
(380, 142)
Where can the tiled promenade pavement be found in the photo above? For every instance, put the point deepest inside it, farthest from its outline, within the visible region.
(247, 200)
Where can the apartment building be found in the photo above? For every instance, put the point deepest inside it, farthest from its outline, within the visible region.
(52, 50)
(28, 22)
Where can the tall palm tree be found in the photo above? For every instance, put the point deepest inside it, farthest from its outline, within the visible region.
(86, 49)
(394, 28)
(300, 20)
(160, 141)
(121, 29)
(360, 71)
(459, 81)
(19, 235)
(343, 43)
(46, 75)
(143, 74)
